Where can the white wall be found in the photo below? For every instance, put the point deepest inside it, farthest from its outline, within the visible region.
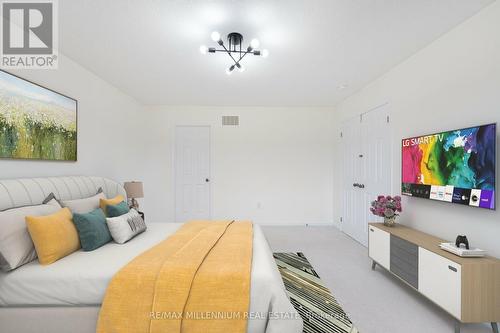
(452, 83)
(107, 127)
(278, 157)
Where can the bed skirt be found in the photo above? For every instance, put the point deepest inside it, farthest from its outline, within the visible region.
(57, 319)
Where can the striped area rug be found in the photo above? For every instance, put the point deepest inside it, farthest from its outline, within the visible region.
(313, 301)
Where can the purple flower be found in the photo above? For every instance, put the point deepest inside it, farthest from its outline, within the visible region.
(386, 206)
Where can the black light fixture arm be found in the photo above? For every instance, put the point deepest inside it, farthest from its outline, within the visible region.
(243, 56)
(229, 52)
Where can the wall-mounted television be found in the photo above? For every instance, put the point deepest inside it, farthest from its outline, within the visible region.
(454, 166)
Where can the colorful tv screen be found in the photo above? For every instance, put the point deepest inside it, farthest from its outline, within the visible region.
(455, 166)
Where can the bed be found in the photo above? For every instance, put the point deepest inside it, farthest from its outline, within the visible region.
(69, 292)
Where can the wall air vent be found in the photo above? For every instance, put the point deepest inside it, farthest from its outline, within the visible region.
(230, 120)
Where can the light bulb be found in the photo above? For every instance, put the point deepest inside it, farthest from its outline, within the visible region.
(203, 49)
(215, 36)
(255, 43)
(264, 53)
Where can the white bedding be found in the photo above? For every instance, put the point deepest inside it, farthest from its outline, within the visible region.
(82, 278)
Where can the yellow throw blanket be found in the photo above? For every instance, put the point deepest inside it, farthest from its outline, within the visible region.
(195, 281)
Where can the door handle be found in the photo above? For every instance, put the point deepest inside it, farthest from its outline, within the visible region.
(207, 180)
(372, 230)
(355, 184)
(451, 268)
(361, 185)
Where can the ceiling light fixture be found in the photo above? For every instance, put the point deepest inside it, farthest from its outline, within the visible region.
(234, 49)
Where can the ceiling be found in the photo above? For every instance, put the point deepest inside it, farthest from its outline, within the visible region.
(150, 49)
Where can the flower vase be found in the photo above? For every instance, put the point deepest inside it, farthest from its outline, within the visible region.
(390, 221)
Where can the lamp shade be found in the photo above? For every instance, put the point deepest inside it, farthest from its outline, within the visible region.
(134, 189)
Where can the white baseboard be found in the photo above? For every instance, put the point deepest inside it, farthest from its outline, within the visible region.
(296, 224)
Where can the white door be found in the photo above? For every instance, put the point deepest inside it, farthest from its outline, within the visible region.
(192, 173)
(367, 169)
(351, 221)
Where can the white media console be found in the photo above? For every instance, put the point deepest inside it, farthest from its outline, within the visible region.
(466, 288)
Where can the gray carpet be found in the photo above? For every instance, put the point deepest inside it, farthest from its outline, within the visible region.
(316, 305)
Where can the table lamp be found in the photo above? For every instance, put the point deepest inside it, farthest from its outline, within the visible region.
(134, 190)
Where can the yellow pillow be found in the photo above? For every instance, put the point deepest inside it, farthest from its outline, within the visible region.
(54, 236)
(105, 202)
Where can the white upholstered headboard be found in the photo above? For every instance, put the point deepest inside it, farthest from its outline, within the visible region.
(32, 191)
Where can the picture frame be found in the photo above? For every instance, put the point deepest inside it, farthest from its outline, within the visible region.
(36, 122)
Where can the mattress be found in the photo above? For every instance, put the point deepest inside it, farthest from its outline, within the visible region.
(81, 279)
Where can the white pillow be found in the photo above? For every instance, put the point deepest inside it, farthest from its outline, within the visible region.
(16, 246)
(85, 205)
(126, 226)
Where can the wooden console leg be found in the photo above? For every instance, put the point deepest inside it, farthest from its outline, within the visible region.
(494, 327)
(375, 264)
(457, 326)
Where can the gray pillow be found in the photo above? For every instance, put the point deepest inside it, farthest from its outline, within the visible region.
(16, 247)
(126, 227)
(85, 205)
(51, 197)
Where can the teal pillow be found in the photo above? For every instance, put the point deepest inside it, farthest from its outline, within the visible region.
(117, 210)
(92, 229)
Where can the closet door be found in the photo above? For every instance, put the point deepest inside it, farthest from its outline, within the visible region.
(367, 161)
(352, 221)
